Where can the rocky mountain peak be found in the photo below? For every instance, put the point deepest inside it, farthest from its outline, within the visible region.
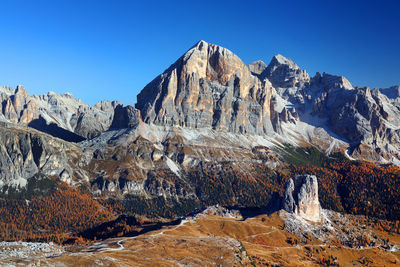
(7, 90)
(211, 61)
(60, 115)
(208, 87)
(301, 197)
(20, 90)
(257, 67)
(278, 60)
(125, 117)
(329, 81)
(283, 72)
(107, 106)
(391, 92)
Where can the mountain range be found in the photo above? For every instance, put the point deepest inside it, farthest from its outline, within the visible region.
(207, 106)
(209, 131)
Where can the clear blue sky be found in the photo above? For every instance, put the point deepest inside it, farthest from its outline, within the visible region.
(112, 49)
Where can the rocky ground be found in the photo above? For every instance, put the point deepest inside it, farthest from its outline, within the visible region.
(21, 253)
(221, 236)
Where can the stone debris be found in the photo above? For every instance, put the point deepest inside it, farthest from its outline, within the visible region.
(217, 210)
(25, 250)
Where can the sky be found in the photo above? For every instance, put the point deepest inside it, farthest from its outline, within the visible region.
(110, 50)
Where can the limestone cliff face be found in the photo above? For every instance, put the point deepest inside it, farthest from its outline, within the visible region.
(361, 116)
(257, 67)
(228, 112)
(25, 152)
(60, 115)
(284, 73)
(301, 197)
(125, 117)
(367, 120)
(208, 87)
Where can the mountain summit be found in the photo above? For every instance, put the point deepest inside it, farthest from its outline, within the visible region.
(208, 87)
(283, 72)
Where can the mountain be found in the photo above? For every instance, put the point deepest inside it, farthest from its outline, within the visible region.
(60, 115)
(282, 72)
(208, 87)
(392, 92)
(26, 153)
(209, 106)
(209, 130)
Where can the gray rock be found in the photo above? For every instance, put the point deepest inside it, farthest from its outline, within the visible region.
(208, 87)
(25, 152)
(391, 92)
(125, 117)
(283, 72)
(301, 197)
(54, 113)
(257, 67)
(106, 105)
(121, 185)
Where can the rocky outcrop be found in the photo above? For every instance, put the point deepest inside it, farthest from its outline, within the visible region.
(120, 185)
(284, 73)
(208, 87)
(107, 106)
(358, 115)
(55, 114)
(391, 92)
(25, 152)
(286, 77)
(257, 68)
(328, 82)
(125, 117)
(301, 197)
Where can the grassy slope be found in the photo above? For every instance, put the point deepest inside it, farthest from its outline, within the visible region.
(233, 242)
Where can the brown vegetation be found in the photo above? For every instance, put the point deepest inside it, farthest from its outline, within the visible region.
(51, 217)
